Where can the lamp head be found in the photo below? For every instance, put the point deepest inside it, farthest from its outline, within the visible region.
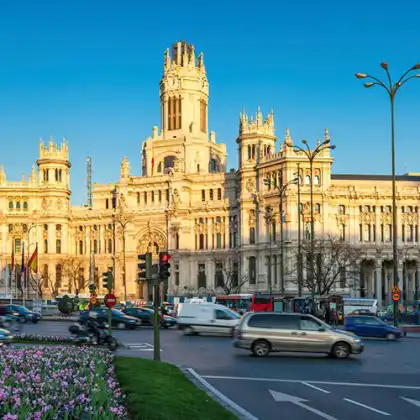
(368, 85)
(416, 66)
(384, 65)
(304, 142)
(332, 147)
(361, 75)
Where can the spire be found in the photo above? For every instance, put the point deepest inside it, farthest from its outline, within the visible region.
(167, 60)
(288, 138)
(185, 56)
(326, 135)
(193, 60)
(2, 175)
(201, 63)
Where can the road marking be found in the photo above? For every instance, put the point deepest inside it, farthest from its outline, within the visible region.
(315, 387)
(367, 406)
(141, 346)
(409, 400)
(245, 414)
(282, 397)
(299, 381)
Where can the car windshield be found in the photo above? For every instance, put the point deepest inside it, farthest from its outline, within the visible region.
(20, 309)
(118, 313)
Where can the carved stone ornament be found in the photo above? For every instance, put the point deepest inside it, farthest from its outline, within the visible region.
(341, 219)
(151, 240)
(367, 218)
(44, 203)
(409, 218)
(59, 204)
(250, 185)
(386, 218)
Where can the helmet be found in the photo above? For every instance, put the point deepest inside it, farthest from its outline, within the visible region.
(93, 314)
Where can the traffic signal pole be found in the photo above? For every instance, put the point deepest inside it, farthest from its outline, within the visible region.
(156, 323)
(108, 280)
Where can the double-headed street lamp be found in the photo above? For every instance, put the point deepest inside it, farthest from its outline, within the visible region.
(311, 154)
(391, 89)
(282, 189)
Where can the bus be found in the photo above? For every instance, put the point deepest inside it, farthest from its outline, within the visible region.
(240, 302)
(351, 304)
(262, 302)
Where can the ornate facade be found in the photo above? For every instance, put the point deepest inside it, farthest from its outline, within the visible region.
(208, 218)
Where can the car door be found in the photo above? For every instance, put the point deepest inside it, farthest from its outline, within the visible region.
(223, 322)
(312, 335)
(373, 327)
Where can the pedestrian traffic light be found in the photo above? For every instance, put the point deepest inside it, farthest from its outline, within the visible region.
(108, 279)
(145, 267)
(164, 266)
(92, 289)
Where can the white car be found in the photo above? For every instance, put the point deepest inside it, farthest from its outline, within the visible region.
(206, 318)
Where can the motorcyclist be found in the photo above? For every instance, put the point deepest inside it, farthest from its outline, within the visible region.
(95, 325)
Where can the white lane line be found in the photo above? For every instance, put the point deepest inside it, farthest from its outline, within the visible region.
(299, 381)
(245, 414)
(367, 406)
(315, 387)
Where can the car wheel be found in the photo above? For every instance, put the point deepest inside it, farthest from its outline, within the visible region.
(189, 331)
(341, 350)
(261, 348)
(121, 326)
(391, 337)
(22, 319)
(132, 327)
(34, 321)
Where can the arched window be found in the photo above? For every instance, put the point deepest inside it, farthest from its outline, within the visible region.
(169, 162)
(18, 205)
(307, 179)
(213, 166)
(11, 205)
(160, 196)
(58, 246)
(316, 180)
(211, 194)
(145, 197)
(203, 195)
(58, 275)
(218, 240)
(219, 193)
(25, 206)
(110, 246)
(249, 152)
(138, 198)
(80, 247)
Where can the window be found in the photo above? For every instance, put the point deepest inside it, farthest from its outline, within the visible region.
(176, 240)
(110, 246)
(307, 179)
(107, 203)
(95, 246)
(114, 202)
(203, 195)
(225, 315)
(58, 246)
(138, 198)
(249, 153)
(318, 208)
(45, 246)
(218, 275)
(145, 197)
(201, 276)
(252, 270)
(203, 116)
(309, 324)
(341, 209)
(58, 275)
(10, 228)
(316, 180)
(273, 232)
(80, 247)
(160, 196)
(11, 205)
(218, 240)
(159, 168)
(18, 245)
(201, 241)
(25, 206)
(252, 236)
(213, 166)
(343, 232)
(44, 281)
(25, 228)
(219, 193)
(211, 195)
(169, 162)
(342, 277)
(18, 205)
(153, 196)
(274, 321)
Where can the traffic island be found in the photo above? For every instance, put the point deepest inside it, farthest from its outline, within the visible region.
(160, 391)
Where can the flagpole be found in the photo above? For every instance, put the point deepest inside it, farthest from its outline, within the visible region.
(22, 274)
(36, 274)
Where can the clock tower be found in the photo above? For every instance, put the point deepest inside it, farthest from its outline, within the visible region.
(184, 93)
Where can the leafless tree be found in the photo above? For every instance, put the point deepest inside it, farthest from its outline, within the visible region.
(36, 286)
(227, 274)
(333, 263)
(72, 269)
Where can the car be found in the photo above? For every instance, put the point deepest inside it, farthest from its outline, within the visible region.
(6, 336)
(371, 326)
(361, 312)
(145, 315)
(22, 313)
(266, 332)
(118, 319)
(196, 318)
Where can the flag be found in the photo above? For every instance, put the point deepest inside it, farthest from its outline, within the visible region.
(33, 261)
(153, 160)
(13, 258)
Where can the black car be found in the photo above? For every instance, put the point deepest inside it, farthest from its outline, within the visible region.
(22, 313)
(118, 319)
(145, 315)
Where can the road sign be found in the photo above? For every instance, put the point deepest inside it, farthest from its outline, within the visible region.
(93, 301)
(396, 296)
(396, 289)
(110, 300)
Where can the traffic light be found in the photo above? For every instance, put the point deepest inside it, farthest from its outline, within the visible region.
(164, 266)
(92, 289)
(145, 266)
(108, 279)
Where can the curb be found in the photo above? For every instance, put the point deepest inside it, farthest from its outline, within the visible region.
(222, 399)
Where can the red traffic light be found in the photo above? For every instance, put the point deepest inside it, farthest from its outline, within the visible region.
(164, 257)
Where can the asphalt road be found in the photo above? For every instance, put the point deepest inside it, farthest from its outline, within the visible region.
(382, 382)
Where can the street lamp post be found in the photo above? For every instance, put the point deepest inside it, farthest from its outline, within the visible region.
(269, 220)
(392, 89)
(311, 154)
(299, 235)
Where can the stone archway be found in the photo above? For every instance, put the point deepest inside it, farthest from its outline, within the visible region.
(153, 240)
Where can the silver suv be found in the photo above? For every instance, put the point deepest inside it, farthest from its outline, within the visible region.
(265, 332)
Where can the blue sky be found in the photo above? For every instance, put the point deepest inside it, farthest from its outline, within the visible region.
(90, 71)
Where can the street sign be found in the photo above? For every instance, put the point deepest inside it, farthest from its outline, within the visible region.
(93, 301)
(396, 289)
(110, 300)
(396, 296)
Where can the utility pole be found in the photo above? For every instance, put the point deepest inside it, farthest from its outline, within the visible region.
(300, 276)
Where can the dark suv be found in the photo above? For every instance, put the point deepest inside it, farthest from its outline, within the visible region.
(21, 313)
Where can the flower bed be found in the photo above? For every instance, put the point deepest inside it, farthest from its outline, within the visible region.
(59, 383)
(42, 339)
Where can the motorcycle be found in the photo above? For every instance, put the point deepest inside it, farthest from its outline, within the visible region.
(84, 335)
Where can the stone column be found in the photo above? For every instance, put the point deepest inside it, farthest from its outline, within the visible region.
(378, 282)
